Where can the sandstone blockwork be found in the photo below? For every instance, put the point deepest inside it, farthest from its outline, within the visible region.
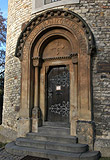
(76, 36)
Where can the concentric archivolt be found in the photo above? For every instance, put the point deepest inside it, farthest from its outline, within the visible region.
(50, 14)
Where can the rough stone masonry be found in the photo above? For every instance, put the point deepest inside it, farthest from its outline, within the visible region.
(96, 13)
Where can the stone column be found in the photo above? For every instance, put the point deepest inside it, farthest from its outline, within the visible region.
(84, 91)
(36, 112)
(74, 112)
(85, 125)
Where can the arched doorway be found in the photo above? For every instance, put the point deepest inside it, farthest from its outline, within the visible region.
(55, 44)
(55, 54)
(57, 49)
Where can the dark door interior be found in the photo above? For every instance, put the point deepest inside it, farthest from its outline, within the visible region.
(58, 94)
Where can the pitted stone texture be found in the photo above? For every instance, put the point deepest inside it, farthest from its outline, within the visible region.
(7, 134)
(18, 13)
(7, 156)
(104, 146)
(85, 133)
(12, 93)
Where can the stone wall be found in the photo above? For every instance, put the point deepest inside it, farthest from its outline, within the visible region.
(97, 15)
(19, 11)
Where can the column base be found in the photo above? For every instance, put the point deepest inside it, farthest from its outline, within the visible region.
(35, 119)
(34, 125)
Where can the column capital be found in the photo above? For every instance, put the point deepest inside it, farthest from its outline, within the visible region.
(37, 61)
(75, 59)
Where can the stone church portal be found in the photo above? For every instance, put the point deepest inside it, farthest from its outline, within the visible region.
(55, 51)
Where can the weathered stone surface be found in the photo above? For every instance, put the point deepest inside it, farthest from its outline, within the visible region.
(4, 155)
(85, 133)
(104, 146)
(96, 14)
(7, 134)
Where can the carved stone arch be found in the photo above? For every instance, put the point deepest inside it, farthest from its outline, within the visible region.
(47, 16)
(43, 31)
(54, 33)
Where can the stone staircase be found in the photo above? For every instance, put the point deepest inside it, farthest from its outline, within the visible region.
(53, 143)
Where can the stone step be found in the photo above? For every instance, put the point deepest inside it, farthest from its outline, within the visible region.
(52, 138)
(54, 130)
(65, 147)
(57, 124)
(51, 155)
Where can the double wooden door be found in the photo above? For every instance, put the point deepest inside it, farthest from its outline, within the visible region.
(58, 94)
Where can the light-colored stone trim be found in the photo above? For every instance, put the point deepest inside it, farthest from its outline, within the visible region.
(41, 6)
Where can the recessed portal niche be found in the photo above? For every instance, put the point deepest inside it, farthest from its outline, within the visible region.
(55, 38)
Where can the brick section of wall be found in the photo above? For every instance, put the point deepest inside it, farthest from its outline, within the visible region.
(97, 15)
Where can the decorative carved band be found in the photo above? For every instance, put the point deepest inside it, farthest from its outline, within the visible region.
(37, 61)
(50, 14)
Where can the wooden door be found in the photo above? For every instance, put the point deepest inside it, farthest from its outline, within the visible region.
(58, 94)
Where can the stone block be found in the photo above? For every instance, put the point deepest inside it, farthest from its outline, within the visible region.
(104, 146)
(23, 127)
(7, 134)
(85, 132)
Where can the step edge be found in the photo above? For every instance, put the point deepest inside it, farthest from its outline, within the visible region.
(12, 145)
(54, 127)
(53, 136)
(48, 142)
